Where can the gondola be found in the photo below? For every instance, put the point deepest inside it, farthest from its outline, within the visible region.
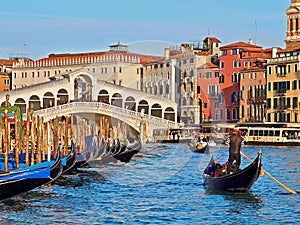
(70, 159)
(200, 147)
(91, 153)
(19, 181)
(132, 149)
(239, 181)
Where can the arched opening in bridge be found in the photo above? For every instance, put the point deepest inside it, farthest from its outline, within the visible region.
(156, 110)
(83, 88)
(117, 100)
(62, 97)
(34, 103)
(130, 103)
(48, 100)
(103, 96)
(22, 104)
(169, 114)
(143, 104)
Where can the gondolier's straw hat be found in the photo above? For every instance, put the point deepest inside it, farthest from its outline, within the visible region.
(235, 130)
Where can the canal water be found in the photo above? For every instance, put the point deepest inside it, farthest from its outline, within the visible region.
(163, 185)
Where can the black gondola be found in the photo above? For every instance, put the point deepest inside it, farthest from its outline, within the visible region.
(200, 147)
(129, 152)
(240, 181)
(71, 159)
(22, 180)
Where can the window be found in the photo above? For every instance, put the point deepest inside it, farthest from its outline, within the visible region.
(222, 65)
(224, 52)
(198, 90)
(295, 84)
(234, 51)
(221, 79)
(295, 102)
(234, 64)
(6, 82)
(207, 75)
(296, 68)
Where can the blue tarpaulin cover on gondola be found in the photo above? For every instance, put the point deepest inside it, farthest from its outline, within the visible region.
(43, 172)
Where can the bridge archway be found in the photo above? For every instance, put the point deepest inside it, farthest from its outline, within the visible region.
(22, 104)
(169, 114)
(156, 110)
(34, 103)
(62, 97)
(130, 103)
(117, 100)
(83, 88)
(103, 96)
(48, 100)
(143, 105)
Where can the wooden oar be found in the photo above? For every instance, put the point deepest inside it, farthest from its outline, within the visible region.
(279, 182)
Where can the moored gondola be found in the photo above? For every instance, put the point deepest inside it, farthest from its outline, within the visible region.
(239, 181)
(19, 181)
(131, 150)
(70, 159)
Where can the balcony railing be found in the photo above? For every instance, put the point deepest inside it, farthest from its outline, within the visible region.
(280, 92)
(282, 107)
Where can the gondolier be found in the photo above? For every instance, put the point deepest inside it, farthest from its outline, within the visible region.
(234, 141)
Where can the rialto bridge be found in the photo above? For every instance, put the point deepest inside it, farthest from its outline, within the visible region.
(81, 93)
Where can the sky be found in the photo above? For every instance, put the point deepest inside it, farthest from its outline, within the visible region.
(37, 28)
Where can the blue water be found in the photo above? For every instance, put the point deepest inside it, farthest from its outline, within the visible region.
(163, 185)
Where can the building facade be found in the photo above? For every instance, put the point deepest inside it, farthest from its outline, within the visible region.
(5, 74)
(234, 59)
(117, 66)
(283, 75)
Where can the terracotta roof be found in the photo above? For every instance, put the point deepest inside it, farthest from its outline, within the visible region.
(239, 45)
(213, 39)
(98, 55)
(291, 49)
(7, 62)
(177, 56)
(205, 53)
(208, 65)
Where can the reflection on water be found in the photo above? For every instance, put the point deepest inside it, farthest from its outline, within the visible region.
(162, 185)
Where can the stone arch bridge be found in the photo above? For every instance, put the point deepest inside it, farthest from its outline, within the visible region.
(83, 92)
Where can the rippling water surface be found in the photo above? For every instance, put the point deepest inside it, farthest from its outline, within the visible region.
(163, 185)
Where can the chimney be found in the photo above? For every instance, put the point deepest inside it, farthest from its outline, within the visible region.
(250, 41)
(167, 53)
(274, 52)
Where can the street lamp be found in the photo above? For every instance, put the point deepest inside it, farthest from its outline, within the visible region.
(200, 110)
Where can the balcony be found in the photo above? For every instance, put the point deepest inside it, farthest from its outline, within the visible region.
(282, 107)
(280, 92)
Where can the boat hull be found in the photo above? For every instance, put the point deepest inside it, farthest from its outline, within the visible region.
(240, 181)
(20, 181)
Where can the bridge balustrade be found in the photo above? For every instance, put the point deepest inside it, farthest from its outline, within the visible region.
(132, 118)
